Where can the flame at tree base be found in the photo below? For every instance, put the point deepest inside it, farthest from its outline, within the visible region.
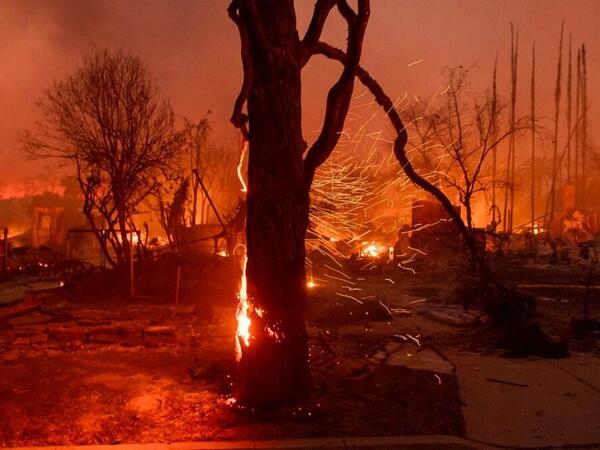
(271, 354)
(245, 314)
(242, 315)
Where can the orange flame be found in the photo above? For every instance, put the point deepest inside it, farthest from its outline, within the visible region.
(239, 167)
(370, 250)
(242, 315)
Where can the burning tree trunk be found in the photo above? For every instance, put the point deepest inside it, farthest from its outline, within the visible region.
(277, 212)
(271, 338)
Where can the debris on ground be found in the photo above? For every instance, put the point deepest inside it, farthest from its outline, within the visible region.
(454, 315)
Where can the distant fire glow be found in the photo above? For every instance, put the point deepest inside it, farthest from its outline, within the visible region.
(372, 250)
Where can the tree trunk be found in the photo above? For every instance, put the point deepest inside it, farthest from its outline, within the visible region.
(125, 245)
(273, 368)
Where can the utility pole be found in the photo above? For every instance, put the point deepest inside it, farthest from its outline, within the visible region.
(4, 250)
(510, 163)
(577, 129)
(495, 149)
(557, 93)
(584, 142)
(569, 102)
(513, 101)
(533, 138)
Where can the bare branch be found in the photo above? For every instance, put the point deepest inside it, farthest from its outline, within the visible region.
(238, 118)
(400, 143)
(340, 94)
(315, 28)
(108, 121)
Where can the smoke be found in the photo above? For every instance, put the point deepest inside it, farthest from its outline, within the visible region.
(192, 51)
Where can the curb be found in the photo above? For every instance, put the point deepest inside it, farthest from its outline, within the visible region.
(350, 443)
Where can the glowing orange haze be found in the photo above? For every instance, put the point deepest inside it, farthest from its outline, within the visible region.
(192, 51)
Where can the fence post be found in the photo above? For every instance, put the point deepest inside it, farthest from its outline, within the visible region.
(4, 251)
(177, 284)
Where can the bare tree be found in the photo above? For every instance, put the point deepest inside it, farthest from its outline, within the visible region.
(462, 136)
(508, 308)
(108, 120)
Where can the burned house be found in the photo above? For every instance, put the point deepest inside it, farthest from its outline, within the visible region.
(48, 226)
(431, 227)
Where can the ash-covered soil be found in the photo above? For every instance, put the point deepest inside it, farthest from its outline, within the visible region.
(110, 370)
(114, 394)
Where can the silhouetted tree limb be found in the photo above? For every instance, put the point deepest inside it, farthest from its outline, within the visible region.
(504, 304)
(238, 118)
(340, 94)
(315, 28)
(401, 140)
(279, 180)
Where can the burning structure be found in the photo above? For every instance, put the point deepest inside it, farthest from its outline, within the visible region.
(48, 227)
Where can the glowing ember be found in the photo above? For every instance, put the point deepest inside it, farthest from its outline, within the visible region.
(223, 253)
(311, 281)
(537, 229)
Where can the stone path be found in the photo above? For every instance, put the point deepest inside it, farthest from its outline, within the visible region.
(72, 328)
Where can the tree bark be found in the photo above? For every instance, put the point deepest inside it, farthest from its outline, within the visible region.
(274, 370)
(273, 353)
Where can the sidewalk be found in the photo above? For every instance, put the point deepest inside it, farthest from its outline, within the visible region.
(529, 403)
(356, 443)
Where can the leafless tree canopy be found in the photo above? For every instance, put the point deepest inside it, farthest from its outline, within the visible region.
(110, 122)
(456, 137)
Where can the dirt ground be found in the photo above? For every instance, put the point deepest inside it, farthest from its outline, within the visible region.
(177, 390)
(118, 371)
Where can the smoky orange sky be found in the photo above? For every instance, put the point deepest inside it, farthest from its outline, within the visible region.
(192, 51)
